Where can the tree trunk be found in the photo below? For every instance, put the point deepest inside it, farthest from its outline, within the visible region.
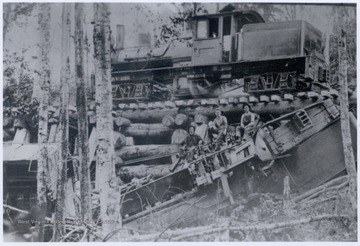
(105, 168)
(140, 151)
(345, 123)
(44, 23)
(141, 171)
(58, 231)
(147, 130)
(81, 104)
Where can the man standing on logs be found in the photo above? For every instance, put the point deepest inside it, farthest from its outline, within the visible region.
(219, 127)
(188, 150)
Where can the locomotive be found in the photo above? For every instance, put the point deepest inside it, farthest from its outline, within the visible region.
(233, 52)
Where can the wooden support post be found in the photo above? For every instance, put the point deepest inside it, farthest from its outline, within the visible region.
(286, 193)
(226, 187)
(345, 123)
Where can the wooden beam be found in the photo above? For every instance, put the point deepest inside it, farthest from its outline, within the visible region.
(244, 100)
(313, 95)
(143, 106)
(253, 99)
(325, 94)
(275, 98)
(302, 95)
(134, 106)
(289, 97)
(264, 98)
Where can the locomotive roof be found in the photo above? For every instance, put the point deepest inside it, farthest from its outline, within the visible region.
(251, 13)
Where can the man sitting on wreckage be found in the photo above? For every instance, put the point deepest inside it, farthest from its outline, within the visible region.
(188, 149)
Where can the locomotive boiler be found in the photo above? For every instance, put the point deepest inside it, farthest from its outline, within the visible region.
(230, 53)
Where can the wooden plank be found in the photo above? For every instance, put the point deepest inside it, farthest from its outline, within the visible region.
(275, 98)
(289, 97)
(253, 99)
(264, 98)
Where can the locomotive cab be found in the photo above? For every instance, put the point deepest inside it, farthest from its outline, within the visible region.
(215, 36)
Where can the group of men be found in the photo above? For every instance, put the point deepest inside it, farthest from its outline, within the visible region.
(218, 130)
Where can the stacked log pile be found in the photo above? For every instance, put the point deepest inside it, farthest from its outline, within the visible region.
(149, 134)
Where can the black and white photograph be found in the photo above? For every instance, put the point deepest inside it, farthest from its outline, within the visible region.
(179, 122)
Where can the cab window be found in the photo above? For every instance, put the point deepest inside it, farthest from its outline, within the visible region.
(208, 28)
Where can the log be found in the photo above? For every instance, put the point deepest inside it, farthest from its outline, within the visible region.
(146, 130)
(150, 115)
(200, 118)
(141, 171)
(321, 187)
(119, 140)
(273, 226)
(286, 193)
(168, 121)
(140, 151)
(181, 120)
(22, 136)
(177, 137)
(121, 122)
